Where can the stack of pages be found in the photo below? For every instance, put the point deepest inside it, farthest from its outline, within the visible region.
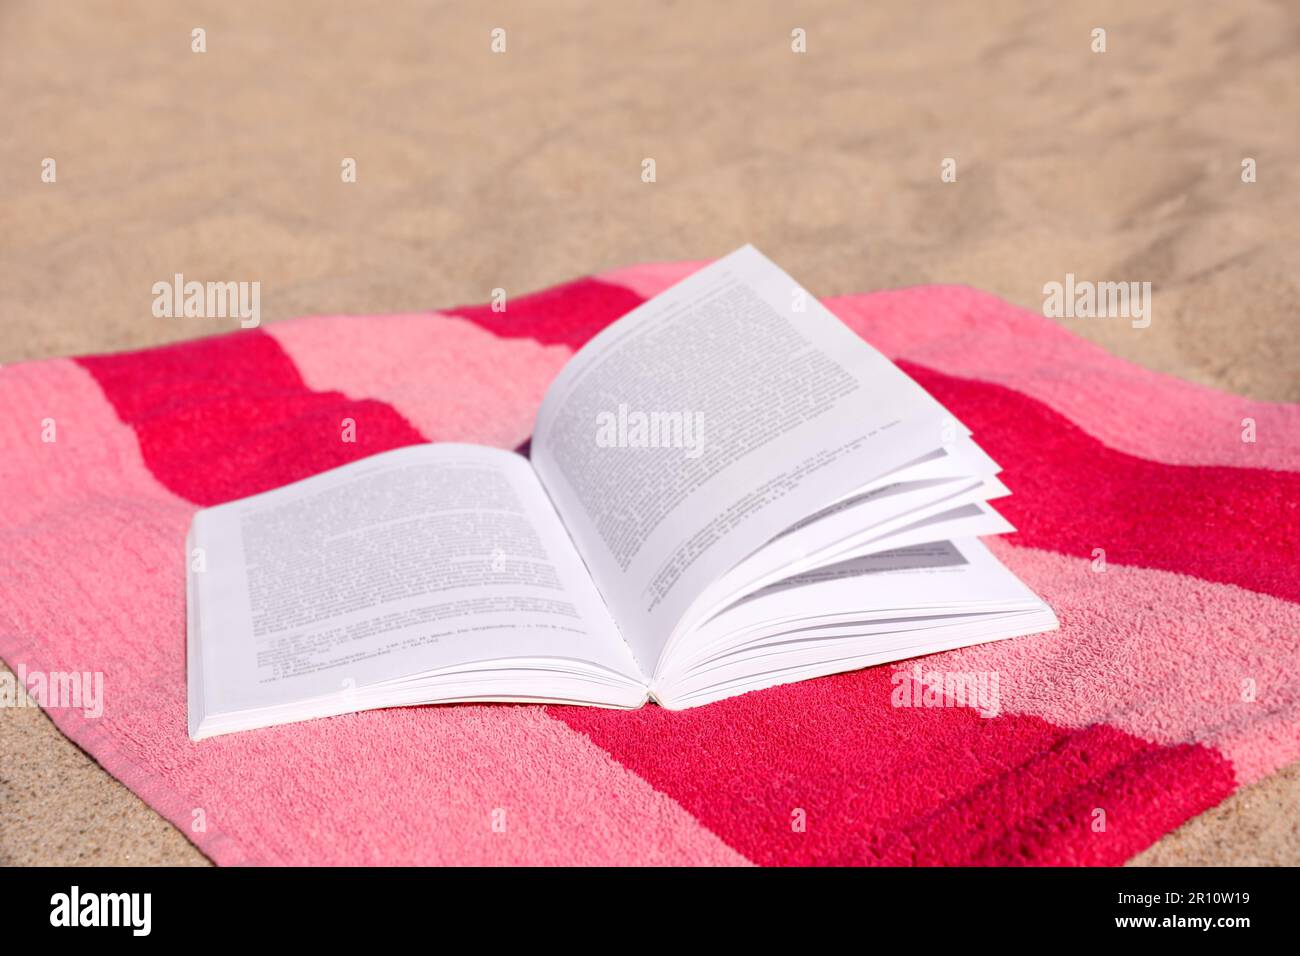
(727, 490)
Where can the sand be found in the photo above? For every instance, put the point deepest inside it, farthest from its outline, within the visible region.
(519, 170)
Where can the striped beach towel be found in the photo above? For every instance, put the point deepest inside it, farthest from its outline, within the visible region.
(1161, 520)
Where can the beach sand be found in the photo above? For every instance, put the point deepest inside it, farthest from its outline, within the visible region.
(520, 170)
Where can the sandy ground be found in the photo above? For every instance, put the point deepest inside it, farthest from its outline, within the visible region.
(522, 169)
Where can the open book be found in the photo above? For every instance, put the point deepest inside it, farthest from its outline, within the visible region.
(727, 490)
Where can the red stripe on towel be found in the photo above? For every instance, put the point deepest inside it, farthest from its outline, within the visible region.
(229, 416)
(879, 784)
(1073, 494)
(567, 314)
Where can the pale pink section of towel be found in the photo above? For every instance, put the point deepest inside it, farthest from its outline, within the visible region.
(1128, 661)
(453, 380)
(92, 453)
(969, 333)
(965, 332)
(413, 785)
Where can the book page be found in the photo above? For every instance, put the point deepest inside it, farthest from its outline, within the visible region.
(415, 560)
(706, 421)
(894, 604)
(837, 533)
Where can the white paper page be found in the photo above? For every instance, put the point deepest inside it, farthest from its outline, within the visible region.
(940, 578)
(977, 629)
(417, 559)
(975, 520)
(960, 458)
(847, 528)
(779, 408)
(959, 574)
(818, 540)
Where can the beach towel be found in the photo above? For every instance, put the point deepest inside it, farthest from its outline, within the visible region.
(1160, 519)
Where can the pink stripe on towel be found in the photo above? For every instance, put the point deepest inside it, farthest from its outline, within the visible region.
(971, 334)
(1166, 657)
(432, 368)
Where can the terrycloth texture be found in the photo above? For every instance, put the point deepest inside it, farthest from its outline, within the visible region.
(1171, 683)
